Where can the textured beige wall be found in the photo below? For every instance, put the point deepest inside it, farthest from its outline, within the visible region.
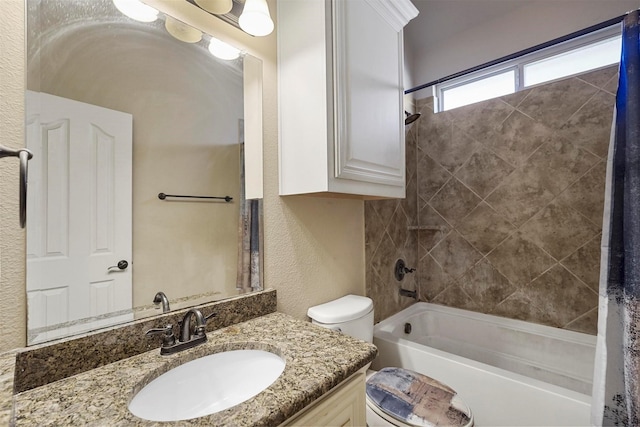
(12, 239)
(313, 247)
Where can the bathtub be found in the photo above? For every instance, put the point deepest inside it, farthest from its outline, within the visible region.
(511, 373)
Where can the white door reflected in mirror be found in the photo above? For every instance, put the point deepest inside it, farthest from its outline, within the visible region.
(81, 175)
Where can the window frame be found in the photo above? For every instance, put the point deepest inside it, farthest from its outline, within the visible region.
(518, 64)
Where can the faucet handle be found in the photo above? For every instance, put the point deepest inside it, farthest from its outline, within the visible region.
(201, 329)
(168, 339)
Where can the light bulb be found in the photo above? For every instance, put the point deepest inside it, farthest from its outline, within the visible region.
(219, 7)
(223, 50)
(255, 18)
(137, 10)
(182, 31)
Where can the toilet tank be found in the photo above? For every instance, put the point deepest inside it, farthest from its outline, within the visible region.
(352, 315)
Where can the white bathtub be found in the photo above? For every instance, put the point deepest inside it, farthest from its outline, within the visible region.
(511, 373)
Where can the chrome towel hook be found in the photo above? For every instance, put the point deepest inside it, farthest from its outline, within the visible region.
(24, 155)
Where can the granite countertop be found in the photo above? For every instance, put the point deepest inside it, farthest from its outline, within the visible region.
(317, 360)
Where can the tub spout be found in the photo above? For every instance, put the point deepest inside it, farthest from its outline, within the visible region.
(408, 293)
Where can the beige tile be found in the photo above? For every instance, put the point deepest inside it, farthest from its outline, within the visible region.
(559, 163)
(559, 230)
(428, 217)
(373, 231)
(454, 201)
(587, 323)
(561, 295)
(484, 228)
(455, 255)
(486, 286)
(590, 126)
(432, 278)
(434, 132)
(383, 258)
(431, 177)
(386, 209)
(480, 118)
(599, 78)
(553, 103)
(612, 85)
(386, 300)
(449, 149)
(518, 137)
(429, 238)
(518, 306)
(410, 254)
(454, 296)
(411, 152)
(398, 228)
(585, 263)
(432, 229)
(516, 98)
(519, 198)
(587, 195)
(520, 260)
(484, 171)
(410, 203)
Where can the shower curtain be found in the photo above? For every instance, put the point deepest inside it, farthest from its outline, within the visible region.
(248, 277)
(616, 386)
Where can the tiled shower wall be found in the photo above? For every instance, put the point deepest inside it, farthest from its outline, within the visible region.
(504, 205)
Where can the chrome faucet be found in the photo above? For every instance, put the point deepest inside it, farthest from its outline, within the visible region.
(185, 329)
(186, 339)
(162, 298)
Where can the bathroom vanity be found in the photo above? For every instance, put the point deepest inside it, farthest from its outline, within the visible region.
(322, 381)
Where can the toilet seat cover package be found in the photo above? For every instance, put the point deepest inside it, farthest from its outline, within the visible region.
(417, 399)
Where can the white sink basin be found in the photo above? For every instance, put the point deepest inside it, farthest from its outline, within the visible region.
(207, 385)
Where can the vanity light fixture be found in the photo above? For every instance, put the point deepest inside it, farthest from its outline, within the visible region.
(136, 10)
(218, 7)
(255, 18)
(223, 50)
(182, 31)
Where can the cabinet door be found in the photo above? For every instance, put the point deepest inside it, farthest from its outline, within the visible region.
(369, 123)
(344, 406)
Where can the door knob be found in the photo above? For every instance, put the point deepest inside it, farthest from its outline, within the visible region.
(122, 265)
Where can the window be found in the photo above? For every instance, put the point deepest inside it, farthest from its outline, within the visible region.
(595, 50)
(579, 60)
(502, 83)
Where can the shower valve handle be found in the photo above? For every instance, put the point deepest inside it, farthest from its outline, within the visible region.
(401, 269)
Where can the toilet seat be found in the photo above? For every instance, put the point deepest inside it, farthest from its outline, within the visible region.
(406, 398)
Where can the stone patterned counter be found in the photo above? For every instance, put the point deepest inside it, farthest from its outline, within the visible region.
(317, 360)
(7, 365)
(45, 363)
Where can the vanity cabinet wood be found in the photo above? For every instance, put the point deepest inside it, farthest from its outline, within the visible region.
(343, 406)
(340, 69)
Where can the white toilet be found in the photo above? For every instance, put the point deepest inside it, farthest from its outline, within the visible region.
(395, 396)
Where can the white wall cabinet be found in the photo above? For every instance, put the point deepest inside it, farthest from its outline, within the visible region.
(343, 406)
(340, 68)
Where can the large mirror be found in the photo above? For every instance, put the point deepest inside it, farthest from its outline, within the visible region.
(119, 111)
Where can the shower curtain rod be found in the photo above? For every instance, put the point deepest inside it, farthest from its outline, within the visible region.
(550, 43)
